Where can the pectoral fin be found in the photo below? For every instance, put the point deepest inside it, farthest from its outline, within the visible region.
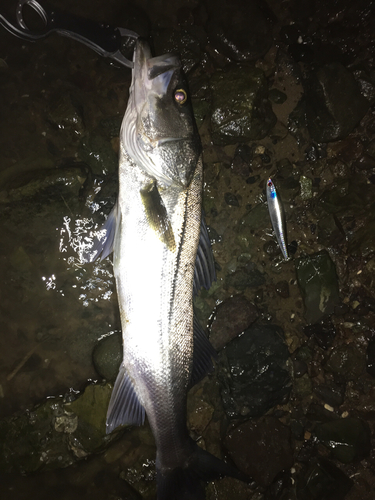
(104, 242)
(157, 215)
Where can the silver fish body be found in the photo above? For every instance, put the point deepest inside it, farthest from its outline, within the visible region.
(277, 217)
(161, 255)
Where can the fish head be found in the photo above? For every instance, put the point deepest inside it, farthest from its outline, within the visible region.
(159, 131)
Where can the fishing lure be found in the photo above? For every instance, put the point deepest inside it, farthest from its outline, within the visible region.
(277, 217)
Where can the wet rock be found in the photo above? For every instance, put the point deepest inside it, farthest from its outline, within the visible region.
(363, 240)
(365, 162)
(201, 109)
(365, 85)
(252, 179)
(297, 429)
(199, 411)
(288, 186)
(281, 487)
(302, 386)
(370, 357)
(180, 41)
(306, 187)
(370, 148)
(231, 199)
(65, 112)
(334, 103)
(90, 408)
(246, 276)
(241, 111)
(231, 318)
(277, 96)
(329, 233)
(299, 368)
(245, 36)
(297, 123)
(347, 197)
(98, 153)
(241, 164)
(29, 179)
(107, 356)
(253, 443)
(318, 413)
(323, 481)
(254, 377)
(323, 332)
(282, 289)
(251, 222)
(111, 126)
(349, 439)
(56, 433)
(317, 279)
(347, 361)
(272, 248)
(333, 394)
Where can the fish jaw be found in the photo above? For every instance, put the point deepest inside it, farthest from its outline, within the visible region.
(159, 131)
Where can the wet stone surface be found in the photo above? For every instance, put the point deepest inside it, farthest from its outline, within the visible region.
(254, 375)
(323, 480)
(333, 97)
(251, 444)
(107, 356)
(281, 90)
(240, 109)
(319, 287)
(348, 439)
(231, 318)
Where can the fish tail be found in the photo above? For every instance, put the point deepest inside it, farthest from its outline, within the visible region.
(187, 482)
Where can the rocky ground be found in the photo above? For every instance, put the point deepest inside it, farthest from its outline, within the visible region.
(280, 89)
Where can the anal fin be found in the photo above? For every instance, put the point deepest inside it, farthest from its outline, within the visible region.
(203, 353)
(124, 406)
(204, 272)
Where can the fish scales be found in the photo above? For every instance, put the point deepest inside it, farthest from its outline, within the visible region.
(155, 293)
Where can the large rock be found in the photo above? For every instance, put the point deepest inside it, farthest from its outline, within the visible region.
(334, 103)
(252, 443)
(242, 35)
(323, 480)
(317, 279)
(107, 356)
(231, 318)
(56, 433)
(241, 110)
(348, 439)
(253, 374)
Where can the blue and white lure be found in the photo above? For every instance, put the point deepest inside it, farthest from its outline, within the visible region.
(277, 217)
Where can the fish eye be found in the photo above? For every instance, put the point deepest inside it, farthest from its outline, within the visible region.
(180, 96)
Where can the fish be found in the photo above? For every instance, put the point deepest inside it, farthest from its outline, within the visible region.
(162, 257)
(277, 217)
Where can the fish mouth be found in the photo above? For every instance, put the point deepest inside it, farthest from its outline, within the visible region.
(151, 72)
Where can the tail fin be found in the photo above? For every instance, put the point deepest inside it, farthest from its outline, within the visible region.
(185, 483)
